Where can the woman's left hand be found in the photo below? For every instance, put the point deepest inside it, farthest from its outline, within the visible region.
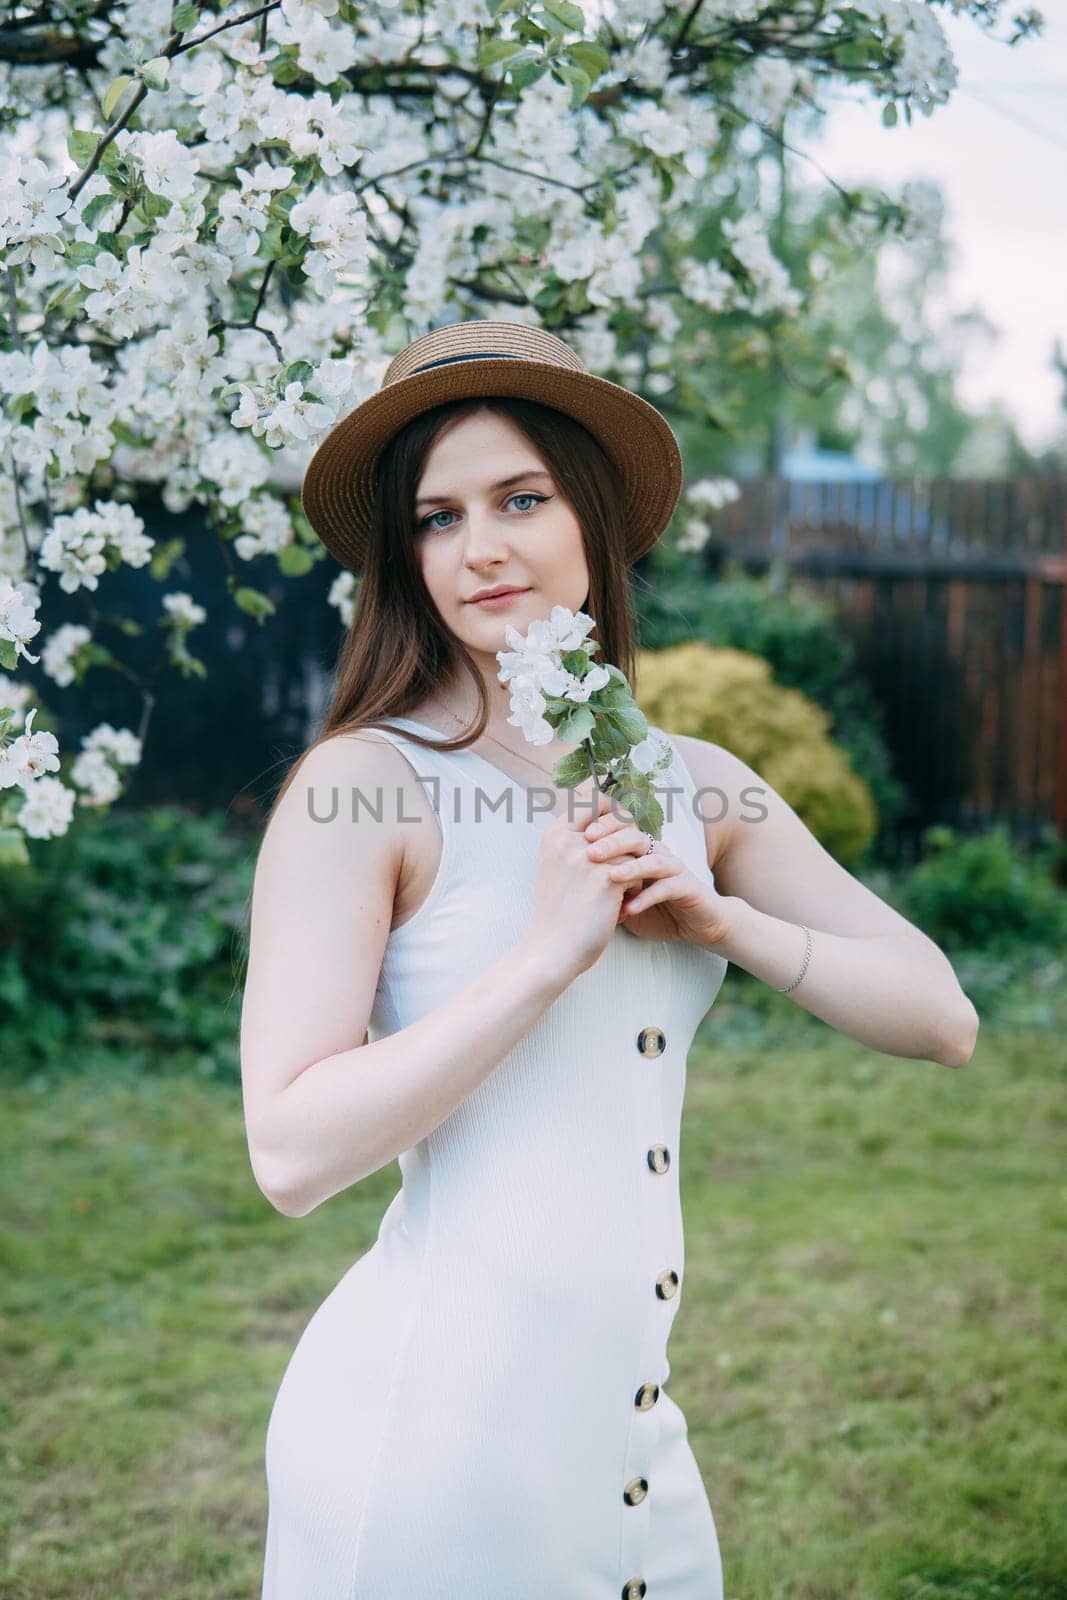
(663, 899)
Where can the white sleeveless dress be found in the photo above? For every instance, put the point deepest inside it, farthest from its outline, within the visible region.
(478, 1409)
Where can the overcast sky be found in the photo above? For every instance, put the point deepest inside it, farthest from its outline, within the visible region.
(999, 151)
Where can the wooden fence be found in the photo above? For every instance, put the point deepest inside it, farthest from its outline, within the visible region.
(954, 595)
(953, 592)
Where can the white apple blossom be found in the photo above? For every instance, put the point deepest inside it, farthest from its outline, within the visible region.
(18, 622)
(289, 419)
(29, 756)
(342, 595)
(770, 289)
(236, 464)
(32, 206)
(653, 755)
(713, 493)
(267, 526)
(692, 536)
(534, 668)
(527, 706)
(764, 89)
(649, 125)
(47, 810)
(927, 71)
(97, 776)
(16, 697)
(169, 167)
(326, 52)
(60, 649)
(243, 213)
(707, 284)
(120, 743)
(183, 609)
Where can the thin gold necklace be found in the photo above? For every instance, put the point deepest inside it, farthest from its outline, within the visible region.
(458, 721)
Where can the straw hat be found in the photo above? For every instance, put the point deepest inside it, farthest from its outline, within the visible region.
(490, 358)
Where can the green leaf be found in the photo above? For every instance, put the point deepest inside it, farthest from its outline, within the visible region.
(155, 72)
(114, 95)
(615, 695)
(79, 251)
(889, 115)
(856, 52)
(549, 296)
(630, 721)
(571, 769)
(184, 17)
(297, 371)
(592, 58)
(648, 814)
(577, 726)
(13, 851)
(151, 205)
(96, 208)
(571, 15)
(580, 81)
(256, 604)
(271, 242)
(165, 555)
(287, 70)
(8, 654)
(609, 742)
(494, 50)
(81, 144)
(294, 560)
(522, 77)
(57, 297)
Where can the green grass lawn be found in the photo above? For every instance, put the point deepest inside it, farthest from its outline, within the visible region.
(869, 1349)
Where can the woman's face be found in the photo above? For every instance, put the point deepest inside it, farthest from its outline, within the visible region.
(489, 512)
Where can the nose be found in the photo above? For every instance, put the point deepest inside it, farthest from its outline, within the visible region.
(486, 540)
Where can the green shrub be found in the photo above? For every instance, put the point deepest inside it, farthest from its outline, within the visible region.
(800, 637)
(983, 893)
(125, 933)
(730, 698)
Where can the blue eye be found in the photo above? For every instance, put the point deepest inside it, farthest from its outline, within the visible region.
(520, 494)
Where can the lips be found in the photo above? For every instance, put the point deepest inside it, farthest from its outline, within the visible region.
(501, 595)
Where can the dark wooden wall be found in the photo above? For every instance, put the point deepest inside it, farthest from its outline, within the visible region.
(954, 595)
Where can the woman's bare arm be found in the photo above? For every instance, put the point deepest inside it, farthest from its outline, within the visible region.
(322, 1108)
(872, 974)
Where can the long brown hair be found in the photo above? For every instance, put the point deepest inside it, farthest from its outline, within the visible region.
(398, 650)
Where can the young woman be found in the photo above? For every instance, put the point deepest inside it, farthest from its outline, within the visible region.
(455, 964)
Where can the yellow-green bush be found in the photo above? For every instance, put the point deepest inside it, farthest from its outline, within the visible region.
(730, 698)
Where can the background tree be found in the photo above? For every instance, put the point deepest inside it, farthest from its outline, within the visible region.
(219, 223)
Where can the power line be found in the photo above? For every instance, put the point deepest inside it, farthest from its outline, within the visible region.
(1056, 139)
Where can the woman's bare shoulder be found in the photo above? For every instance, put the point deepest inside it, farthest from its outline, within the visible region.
(365, 757)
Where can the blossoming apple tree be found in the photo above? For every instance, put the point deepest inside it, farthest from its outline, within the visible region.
(219, 222)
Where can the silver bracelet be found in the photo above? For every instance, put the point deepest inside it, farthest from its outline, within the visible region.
(804, 965)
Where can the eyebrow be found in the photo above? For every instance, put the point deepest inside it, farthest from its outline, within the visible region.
(502, 483)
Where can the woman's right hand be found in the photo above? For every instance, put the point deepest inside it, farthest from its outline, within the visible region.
(577, 901)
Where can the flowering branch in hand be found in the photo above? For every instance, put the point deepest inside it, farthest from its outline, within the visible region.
(557, 690)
